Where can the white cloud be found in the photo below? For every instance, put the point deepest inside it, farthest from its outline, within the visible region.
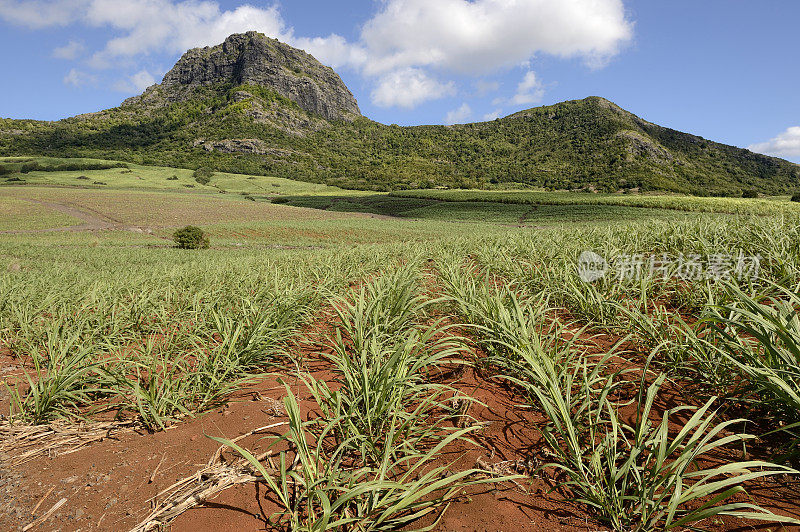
(136, 83)
(408, 88)
(787, 144)
(71, 50)
(458, 116)
(480, 36)
(78, 78)
(492, 115)
(529, 90)
(333, 50)
(476, 37)
(162, 25)
(39, 14)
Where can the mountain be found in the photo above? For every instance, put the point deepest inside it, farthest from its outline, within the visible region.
(255, 105)
(253, 60)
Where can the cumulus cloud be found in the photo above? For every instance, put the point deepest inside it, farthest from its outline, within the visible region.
(458, 116)
(148, 25)
(408, 88)
(477, 37)
(78, 78)
(71, 50)
(135, 83)
(529, 90)
(163, 25)
(333, 50)
(787, 144)
(480, 36)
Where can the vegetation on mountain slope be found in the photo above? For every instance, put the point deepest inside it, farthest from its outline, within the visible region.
(207, 113)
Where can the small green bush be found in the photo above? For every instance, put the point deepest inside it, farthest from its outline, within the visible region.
(172, 178)
(749, 193)
(82, 178)
(203, 175)
(796, 196)
(29, 167)
(5, 170)
(190, 237)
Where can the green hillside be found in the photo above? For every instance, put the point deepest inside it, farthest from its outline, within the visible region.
(239, 126)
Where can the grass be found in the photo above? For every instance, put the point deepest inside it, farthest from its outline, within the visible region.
(380, 472)
(323, 492)
(639, 476)
(759, 338)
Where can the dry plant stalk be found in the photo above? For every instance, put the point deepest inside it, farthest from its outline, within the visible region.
(23, 442)
(194, 490)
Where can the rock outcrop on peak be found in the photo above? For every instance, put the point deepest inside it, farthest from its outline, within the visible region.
(254, 59)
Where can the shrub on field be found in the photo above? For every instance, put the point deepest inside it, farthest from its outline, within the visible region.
(5, 170)
(749, 193)
(190, 237)
(203, 175)
(82, 177)
(172, 178)
(796, 196)
(28, 167)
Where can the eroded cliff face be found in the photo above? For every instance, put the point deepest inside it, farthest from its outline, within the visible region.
(254, 59)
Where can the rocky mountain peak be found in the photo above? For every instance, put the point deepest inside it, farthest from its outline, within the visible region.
(253, 59)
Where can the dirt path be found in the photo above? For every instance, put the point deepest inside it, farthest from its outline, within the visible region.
(92, 221)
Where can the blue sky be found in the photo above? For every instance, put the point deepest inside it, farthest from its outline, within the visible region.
(728, 70)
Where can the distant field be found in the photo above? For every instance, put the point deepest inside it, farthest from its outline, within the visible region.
(136, 176)
(115, 215)
(476, 211)
(162, 209)
(762, 206)
(19, 214)
(239, 209)
(192, 202)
